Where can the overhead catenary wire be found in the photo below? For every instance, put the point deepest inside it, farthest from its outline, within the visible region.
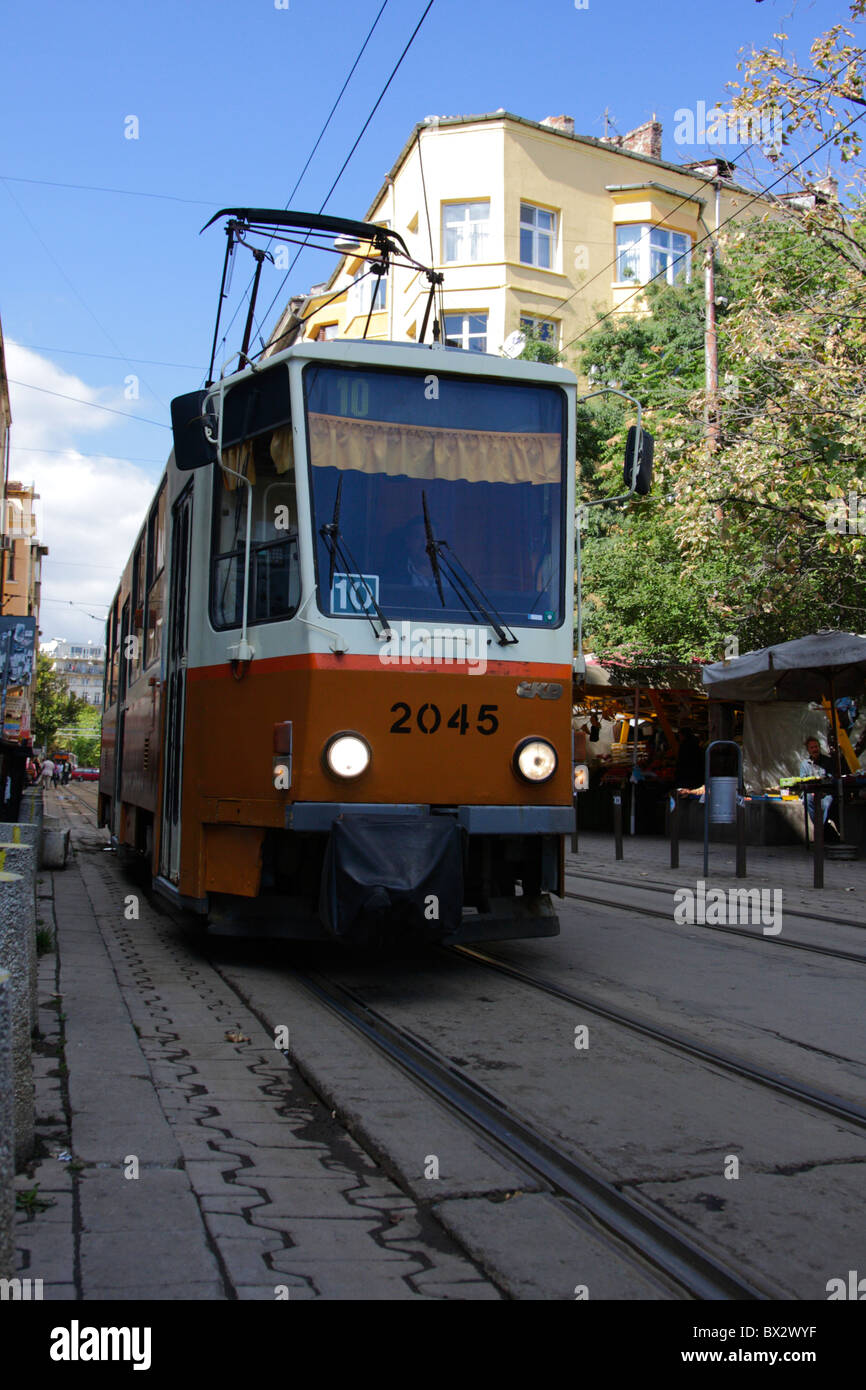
(97, 188)
(319, 139)
(345, 163)
(103, 356)
(660, 225)
(111, 458)
(142, 419)
(710, 236)
(82, 301)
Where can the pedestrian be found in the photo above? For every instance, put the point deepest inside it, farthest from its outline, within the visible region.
(818, 764)
(593, 728)
(47, 772)
(55, 774)
(67, 773)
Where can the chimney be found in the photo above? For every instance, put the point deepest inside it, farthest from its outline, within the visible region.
(646, 139)
(829, 187)
(565, 123)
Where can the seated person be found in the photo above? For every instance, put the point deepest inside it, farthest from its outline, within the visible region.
(817, 764)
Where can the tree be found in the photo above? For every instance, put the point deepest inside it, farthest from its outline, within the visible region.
(55, 706)
(86, 739)
(537, 348)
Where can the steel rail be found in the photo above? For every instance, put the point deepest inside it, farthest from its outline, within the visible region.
(776, 1081)
(653, 1238)
(712, 926)
(656, 887)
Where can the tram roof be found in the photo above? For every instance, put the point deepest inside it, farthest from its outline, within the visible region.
(392, 352)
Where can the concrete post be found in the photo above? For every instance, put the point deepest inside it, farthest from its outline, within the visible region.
(31, 813)
(21, 859)
(55, 843)
(16, 910)
(7, 1133)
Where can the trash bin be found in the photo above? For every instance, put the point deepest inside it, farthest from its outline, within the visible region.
(723, 800)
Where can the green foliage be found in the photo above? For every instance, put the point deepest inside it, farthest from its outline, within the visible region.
(86, 741)
(746, 532)
(635, 597)
(735, 540)
(55, 707)
(28, 1200)
(538, 349)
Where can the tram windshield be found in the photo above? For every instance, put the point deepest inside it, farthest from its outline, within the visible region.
(484, 457)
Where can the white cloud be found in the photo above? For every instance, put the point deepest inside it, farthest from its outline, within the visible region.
(90, 509)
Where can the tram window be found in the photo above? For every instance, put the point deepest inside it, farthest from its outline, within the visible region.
(257, 406)
(114, 666)
(274, 586)
(155, 579)
(134, 654)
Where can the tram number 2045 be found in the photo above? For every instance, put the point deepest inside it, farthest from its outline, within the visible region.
(429, 719)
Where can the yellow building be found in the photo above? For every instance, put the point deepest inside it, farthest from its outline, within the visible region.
(23, 554)
(532, 225)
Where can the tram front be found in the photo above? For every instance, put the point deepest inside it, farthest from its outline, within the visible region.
(415, 673)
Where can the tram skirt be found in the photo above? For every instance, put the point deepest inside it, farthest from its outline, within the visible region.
(392, 878)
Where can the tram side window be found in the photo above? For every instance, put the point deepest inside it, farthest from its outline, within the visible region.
(155, 579)
(274, 583)
(135, 651)
(114, 647)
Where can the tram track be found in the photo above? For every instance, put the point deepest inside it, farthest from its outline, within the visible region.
(583, 875)
(640, 1231)
(643, 910)
(586, 1192)
(845, 1111)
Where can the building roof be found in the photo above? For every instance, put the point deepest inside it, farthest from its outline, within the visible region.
(502, 115)
(708, 179)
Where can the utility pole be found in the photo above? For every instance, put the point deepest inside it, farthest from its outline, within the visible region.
(711, 353)
(711, 356)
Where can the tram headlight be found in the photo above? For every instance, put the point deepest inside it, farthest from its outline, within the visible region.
(346, 756)
(535, 760)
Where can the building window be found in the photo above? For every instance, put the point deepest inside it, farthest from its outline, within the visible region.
(465, 231)
(537, 236)
(10, 562)
(545, 329)
(644, 253)
(326, 333)
(467, 331)
(364, 288)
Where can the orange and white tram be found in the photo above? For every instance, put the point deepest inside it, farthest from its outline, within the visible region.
(338, 686)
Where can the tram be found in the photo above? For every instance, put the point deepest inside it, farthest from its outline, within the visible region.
(339, 661)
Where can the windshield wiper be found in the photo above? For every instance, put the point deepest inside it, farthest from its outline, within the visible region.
(431, 550)
(467, 589)
(331, 535)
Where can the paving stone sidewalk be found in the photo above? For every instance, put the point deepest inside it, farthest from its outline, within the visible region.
(181, 1156)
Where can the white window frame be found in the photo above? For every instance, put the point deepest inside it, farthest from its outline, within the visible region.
(539, 235)
(361, 292)
(472, 233)
(465, 336)
(652, 239)
(538, 324)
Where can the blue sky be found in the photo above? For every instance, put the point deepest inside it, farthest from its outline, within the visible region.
(230, 97)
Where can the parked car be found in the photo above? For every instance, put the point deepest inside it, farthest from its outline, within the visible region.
(85, 774)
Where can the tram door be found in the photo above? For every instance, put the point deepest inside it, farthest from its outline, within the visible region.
(122, 688)
(169, 853)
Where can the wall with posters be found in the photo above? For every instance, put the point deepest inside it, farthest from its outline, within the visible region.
(17, 662)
